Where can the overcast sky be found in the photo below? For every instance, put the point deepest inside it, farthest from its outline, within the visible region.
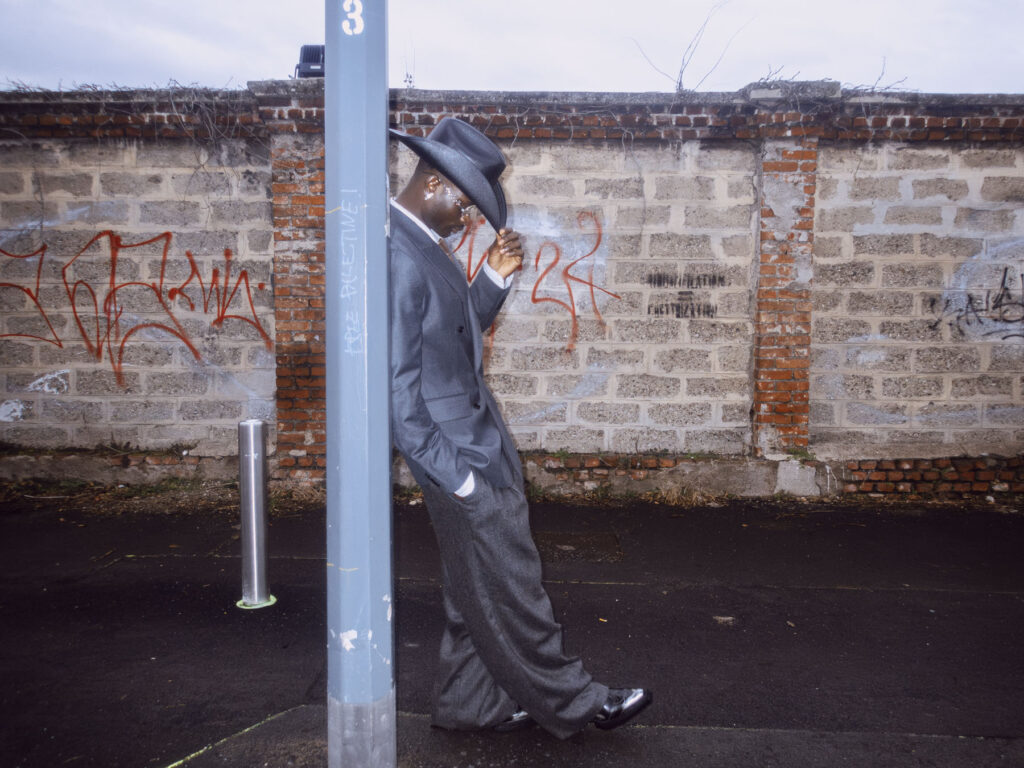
(930, 46)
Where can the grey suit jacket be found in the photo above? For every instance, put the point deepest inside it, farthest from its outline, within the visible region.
(445, 421)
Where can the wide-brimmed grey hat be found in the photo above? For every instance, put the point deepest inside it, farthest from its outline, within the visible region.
(469, 160)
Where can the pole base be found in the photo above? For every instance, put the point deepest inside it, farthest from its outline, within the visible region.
(251, 606)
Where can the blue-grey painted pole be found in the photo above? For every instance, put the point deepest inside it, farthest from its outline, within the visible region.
(360, 646)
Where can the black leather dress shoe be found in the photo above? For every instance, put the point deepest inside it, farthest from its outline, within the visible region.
(517, 721)
(623, 705)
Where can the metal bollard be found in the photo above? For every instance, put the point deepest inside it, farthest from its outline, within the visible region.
(252, 487)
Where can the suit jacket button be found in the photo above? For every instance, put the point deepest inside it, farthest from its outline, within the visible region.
(477, 406)
(461, 329)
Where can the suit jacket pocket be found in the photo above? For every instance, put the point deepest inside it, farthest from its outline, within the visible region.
(449, 408)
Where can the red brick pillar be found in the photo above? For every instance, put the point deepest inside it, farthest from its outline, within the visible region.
(294, 117)
(782, 333)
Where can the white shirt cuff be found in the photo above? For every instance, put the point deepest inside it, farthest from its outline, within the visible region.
(467, 487)
(498, 280)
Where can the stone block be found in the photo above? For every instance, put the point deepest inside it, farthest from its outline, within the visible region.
(608, 413)
(253, 183)
(590, 384)
(843, 219)
(837, 386)
(909, 215)
(827, 188)
(545, 187)
(17, 215)
(645, 440)
(240, 212)
(947, 414)
(950, 189)
(822, 414)
(686, 188)
(260, 240)
(1003, 189)
(875, 188)
(62, 411)
(718, 388)
(103, 382)
(36, 435)
(177, 383)
(734, 358)
(672, 245)
(11, 182)
(836, 159)
(534, 412)
(141, 411)
(947, 359)
(645, 386)
(623, 246)
(722, 442)
(210, 410)
(876, 414)
(713, 156)
(170, 214)
(912, 276)
(574, 439)
(736, 413)
(845, 274)
(201, 182)
(170, 154)
(615, 189)
(966, 387)
(883, 245)
(610, 359)
(880, 357)
(988, 158)
(511, 384)
(796, 479)
(1005, 357)
(955, 247)
(887, 303)
(648, 331)
(738, 247)
(912, 159)
(910, 330)
(544, 359)
(680, 414)
(1004, 414)
(984, 220)
(100, 213)
(827, 301)
(584, 330)
(706, 217)
(911, 387)
(714, 331)
(828, 330)
(642, 216)
(686, 360)
(515, 329)
(829, 248)
(63, 184)
(29, 156)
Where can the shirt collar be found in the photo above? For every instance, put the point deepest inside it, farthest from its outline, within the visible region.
(417, 221)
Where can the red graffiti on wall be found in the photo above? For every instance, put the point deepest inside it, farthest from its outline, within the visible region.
(110, 310)
(33, 294)
(585, 220)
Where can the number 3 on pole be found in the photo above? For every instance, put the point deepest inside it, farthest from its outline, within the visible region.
(353, 25)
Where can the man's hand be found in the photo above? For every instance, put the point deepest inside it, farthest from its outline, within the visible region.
(505, 255)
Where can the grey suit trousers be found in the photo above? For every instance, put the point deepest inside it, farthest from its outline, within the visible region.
(501, 645)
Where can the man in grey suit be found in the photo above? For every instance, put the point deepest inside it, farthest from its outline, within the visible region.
(502, 664)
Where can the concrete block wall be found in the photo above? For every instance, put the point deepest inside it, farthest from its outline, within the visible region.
(136, 292)
(628, 329)
(918, 345)
(786, 270)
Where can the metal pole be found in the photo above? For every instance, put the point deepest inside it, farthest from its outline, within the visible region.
(252, 487)
(360, 646)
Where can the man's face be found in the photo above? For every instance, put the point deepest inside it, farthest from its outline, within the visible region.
(446, 210)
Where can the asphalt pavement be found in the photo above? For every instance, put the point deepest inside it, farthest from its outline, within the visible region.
(773, 633)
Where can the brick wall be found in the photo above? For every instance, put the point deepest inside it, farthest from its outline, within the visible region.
(786, 269)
